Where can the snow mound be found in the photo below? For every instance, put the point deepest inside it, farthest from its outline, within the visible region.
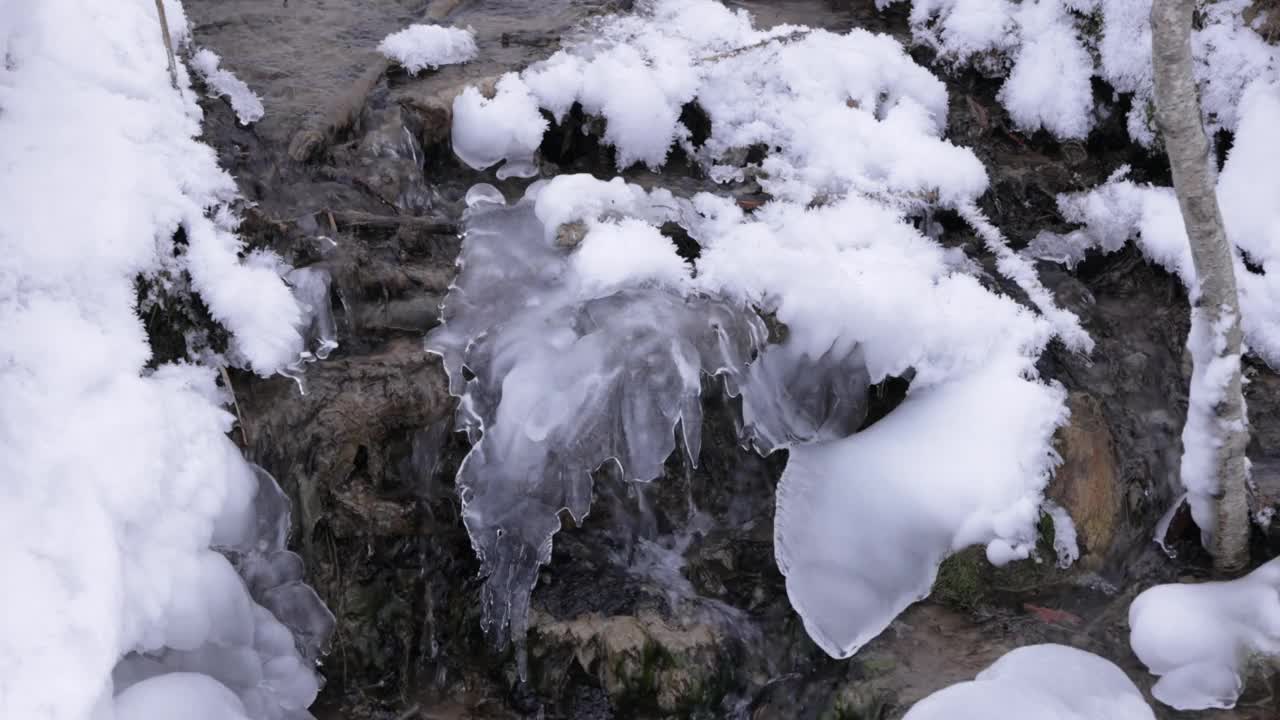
(1040, 681)
(245, 102)
(1074, 41)
(119, 477)
(1200, 638)
(854, 158)
(978, 483)
(506, 127)
(419, 47)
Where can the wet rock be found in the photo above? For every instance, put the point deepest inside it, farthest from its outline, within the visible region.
(1086, 482)
(353, 425)
(431, 104)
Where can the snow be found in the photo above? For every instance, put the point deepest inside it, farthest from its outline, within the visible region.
(1073, 41)
(559, 303)
(508, 126)
(1050, 84)
(1040, 681)
(1201, 638)
(120, 478)
(1201, 436)
(977, 484)
(1065, 543)
(1120, 210)
(244, 101)
(419, 47)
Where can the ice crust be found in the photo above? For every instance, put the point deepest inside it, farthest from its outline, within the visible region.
(1201, 638)
(1041, 682)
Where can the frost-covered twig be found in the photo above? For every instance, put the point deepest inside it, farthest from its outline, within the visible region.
(1019, 269)
(794, 36)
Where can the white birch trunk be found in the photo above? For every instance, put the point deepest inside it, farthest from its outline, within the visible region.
(1214, 467)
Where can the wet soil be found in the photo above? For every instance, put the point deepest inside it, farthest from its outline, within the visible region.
(666, 602)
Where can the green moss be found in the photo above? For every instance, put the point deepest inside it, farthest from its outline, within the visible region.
(853, 704)
(873, 665)
(961, 579)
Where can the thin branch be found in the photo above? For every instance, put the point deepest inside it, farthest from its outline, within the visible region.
(244, 429)
(168, 44)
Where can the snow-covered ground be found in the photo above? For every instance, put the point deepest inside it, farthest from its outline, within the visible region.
(119, 478)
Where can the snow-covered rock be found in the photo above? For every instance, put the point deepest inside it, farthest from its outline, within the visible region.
(419, 47)
(1200, 638)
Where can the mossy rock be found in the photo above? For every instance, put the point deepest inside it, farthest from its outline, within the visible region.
(644, 663)
(967, 581)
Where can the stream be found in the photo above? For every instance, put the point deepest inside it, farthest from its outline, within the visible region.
(666, 600)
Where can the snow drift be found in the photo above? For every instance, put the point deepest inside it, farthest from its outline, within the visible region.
(118, 478)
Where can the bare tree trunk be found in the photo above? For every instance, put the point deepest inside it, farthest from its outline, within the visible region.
(1216, 416)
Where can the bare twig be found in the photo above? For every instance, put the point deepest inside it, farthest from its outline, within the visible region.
(168, 44)
(784, 39)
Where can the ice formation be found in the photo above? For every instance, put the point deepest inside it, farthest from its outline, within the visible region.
(1040, 681)
(311, 287)
(254, 628)
(419, 47)
(1121, 210)
(244, 101)
(576, 357)
(1201, 638)
(1073, 41)
(119, 479)
(852, 130)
